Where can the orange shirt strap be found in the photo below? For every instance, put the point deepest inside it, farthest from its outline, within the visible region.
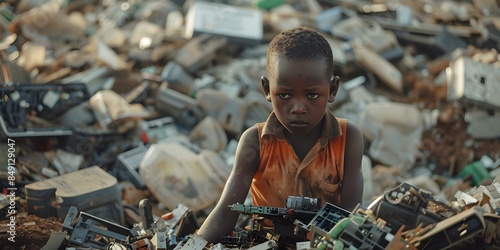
(260, 127)
(340, 148)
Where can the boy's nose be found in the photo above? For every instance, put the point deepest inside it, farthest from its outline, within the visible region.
(298, 107)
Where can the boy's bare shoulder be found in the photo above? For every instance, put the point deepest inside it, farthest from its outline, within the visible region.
(248, 152)
(250, 136)
(354, 139)
(353, 131)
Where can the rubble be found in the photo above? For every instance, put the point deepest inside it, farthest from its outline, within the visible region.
(153, 95)
(33, 232)
(405, 217)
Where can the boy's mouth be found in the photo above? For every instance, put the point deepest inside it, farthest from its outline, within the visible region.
(298, 124)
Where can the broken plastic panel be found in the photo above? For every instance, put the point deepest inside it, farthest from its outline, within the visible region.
(435, 46)
(239, 25)
(108, 56)
(394, 54)
(155, 11)
(356, 91)
(476, 172)
(313, 7)
(285, 17)
(258, 108)
(473, 83)
(195, 242)
(209, 134)
(177, 175)
(80, 115)
(146, 35)
(8, 132)
(87, 230)
(177, 78)
(97, 146)
(327, 217)
(158, 129)
(342, 56)
(47, 101)
(66, 162)
(371, 34)
(174, 26)
(209, 81)
(328, 18)
(112, 37)
(92, 190)
(111, 109)
(127, 166)
(12, 73)
(93, 78)
(404, 15)
(182, 108)
(32, 55)
(229, 112)
(117, 14)
(365, 234)
(376, 64)
(395, 131)
(38, 165)
(56, 25)
(198, 52)
(493, 37)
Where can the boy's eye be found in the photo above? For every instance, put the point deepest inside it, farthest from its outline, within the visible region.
(284, 96)
(313, 96)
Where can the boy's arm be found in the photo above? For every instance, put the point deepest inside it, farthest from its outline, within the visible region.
(352, 184)
(222, 220)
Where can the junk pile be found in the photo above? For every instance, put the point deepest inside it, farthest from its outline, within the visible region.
(107, 103)
(405, 217)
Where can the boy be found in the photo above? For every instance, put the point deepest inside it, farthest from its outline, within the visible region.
(300, 149)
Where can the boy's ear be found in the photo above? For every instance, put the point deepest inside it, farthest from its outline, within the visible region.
(265, 87)
(334, 87)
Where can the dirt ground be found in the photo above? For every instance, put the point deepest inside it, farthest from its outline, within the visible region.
(31, 232)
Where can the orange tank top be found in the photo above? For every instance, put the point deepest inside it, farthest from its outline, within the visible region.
(282, 174)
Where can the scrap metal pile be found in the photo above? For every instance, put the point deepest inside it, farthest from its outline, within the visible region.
(403, 218)
(147, 99)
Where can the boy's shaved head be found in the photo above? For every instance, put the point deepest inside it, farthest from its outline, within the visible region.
(300, 43)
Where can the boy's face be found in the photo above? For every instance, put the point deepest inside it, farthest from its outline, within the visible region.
(299, 91)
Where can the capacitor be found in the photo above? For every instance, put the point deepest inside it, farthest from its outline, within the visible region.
(146, 211)
(303, 203)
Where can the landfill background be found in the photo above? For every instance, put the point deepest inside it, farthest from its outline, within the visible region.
(107, 103)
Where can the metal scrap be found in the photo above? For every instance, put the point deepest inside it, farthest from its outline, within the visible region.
(89, 83)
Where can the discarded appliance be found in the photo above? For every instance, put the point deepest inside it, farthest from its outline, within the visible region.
(45, 100)
(473, 83)
(182, 108)
(228, 111)
(91, 189)
(240, 25)
(176, 174)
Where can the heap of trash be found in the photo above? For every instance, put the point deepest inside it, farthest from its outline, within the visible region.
(126, 115)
